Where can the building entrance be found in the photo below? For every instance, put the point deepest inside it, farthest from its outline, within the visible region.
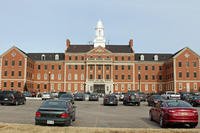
(98, 88)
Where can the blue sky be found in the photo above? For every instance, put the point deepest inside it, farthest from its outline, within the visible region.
(156, 26)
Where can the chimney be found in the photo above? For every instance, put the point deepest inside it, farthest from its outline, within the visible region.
(67, 43)
(131, 43)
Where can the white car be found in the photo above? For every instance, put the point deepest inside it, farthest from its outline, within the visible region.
(46, 96)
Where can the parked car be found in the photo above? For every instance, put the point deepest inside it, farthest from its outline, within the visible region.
(54, 94)
(143, 96)
(27, 94)
(55, 112)
(194, 100)
(79, 96)
(174, 112)
(12, 97)
(131, 98)
(183, 95)
(171, 95)
(121, 96)
(47, 96)
(110, 99)
(93, 97)
(154, 99)
(67, 97)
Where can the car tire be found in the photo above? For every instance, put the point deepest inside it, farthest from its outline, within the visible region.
(193, 125)
(138, 104)
(162, 122)
(2, 103)
(36, 123)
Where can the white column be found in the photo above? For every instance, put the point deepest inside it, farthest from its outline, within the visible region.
(174, 63)
(0, 71)
(86, 72)
(65, 75)
(25, 70)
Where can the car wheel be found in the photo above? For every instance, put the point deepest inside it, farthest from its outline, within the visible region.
(162, 122)
(2, 103)
(150, 116)
(138, 104)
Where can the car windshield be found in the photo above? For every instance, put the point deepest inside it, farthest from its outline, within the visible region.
(54, 104)
(66, 96)
(178, 103)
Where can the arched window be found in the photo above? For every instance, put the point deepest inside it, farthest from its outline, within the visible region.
(56, 57)
(43, 57)
(155, 57)
(141, 57)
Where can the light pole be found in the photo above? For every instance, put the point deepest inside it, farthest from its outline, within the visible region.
(139, 78)
(49, 81)
(84, 87)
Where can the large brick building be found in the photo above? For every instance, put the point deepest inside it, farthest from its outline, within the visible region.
(99, 68)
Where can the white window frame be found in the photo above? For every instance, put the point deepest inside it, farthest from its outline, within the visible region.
(75, 76)
(69, 76)
(56, 57)
(146, 87)
(59, 87)
(45, 76)
(38, 76)
(52, 76)
(142, 57)
(59, 76)
(69, 87)
(82, 76)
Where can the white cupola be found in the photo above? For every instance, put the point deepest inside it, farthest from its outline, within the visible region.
(99, 38)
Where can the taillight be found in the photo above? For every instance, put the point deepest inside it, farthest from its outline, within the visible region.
(64, 115)
(37, 114)
(195, 112)
(171, 111)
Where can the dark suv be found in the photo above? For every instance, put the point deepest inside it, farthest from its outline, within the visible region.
(131, 98)
(12, 97)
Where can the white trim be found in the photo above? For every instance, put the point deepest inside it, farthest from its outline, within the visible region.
(25, 70)
(0, 71)
(191, 81)
(65, 74)
(174, 63)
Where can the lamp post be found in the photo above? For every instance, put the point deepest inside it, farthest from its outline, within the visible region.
(139, 78)
(49, 81)
(84, 87)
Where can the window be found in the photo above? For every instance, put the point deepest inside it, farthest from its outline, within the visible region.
(75, 77)
(76, 87)
(116, 76)
(76, 67)
(38, 76)
(122, 77)
(91, 77)
(187, 74)
(52, 67)
(82, 67)
(194, 64)
(38, 86)
(56, 57)
(180, 74)
(129, 67)
(99, 76)
(116, 67)
(187, 64)
(69, 87)
(107, 76)
(5, 73)
(59, 67)
(129, 58)
(69, 76)
(180, 86)
(160, 67)
(69, 67)
(160, 77)
(146, 67)
(99, 67)
(179, 64)
(43, 57)
(146, 87)
(76, 57)
(70, 58)
(19, 85)
(195, 86)
(146, 77)
(82, 76)
(59, 76)
(59, 87)
(19, 73)
(12, 73)
(155, 57)
(91, 67)
(139, 67)
(52, 87)
(122, 67)
(12, 84)
(20, 63)
(82, 58)
(153, 87)
(195, 75)
(45, 67)
(122, 87)
(153, 67)
(116, 58)
(129, 77)
(107, 67)
(38, 67)
(116, 87)
(5, 84)
(52, 76)
(153, 77)
(141, 57)
(6, 63)
(13, 63)
(45, 86)
(45, 76)
(122, 57)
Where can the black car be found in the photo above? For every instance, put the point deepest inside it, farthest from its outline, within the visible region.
(143, 96)
(131, 98)
(79, 96)
(55, 112)
(60, 93)
(93, 97)
(184, 95)
(67, 97)
(194, 100)
(110, 100)
(154, 99)
(12, 97)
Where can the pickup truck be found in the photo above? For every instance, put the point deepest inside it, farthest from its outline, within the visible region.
(171, 95)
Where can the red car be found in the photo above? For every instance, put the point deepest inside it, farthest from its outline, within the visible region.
(174, 112)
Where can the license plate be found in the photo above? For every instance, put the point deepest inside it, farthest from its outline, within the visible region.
(50, 122)
(5, 98)
(184, 113)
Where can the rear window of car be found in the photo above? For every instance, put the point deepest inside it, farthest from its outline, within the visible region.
(54, 104)
(178, 103)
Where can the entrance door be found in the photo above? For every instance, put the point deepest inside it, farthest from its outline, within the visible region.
(188, 87)
(99, 89)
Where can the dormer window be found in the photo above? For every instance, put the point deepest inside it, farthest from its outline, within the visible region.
(56, 57)
(156, 57)
(142, 57)
(43, 57)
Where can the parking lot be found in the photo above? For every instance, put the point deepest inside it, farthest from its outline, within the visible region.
(88, 114)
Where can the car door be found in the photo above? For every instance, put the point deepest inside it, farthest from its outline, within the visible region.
(157, 111)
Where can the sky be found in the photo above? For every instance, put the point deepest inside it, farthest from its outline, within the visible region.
(156, 26)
